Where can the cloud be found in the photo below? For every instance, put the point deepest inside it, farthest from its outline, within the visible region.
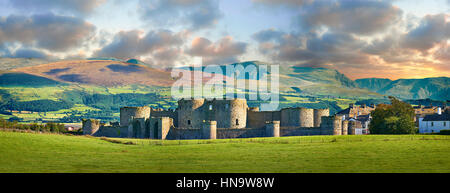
(443, 54)
(225, 50)
(283, 2)
(48, 31)
(406, 50)
(134, 44)
(357, 17)
(77, 7)
(311, 49)
(27, 53)
(434, 29)
(428, 39)
(268, 35)
(195, 14)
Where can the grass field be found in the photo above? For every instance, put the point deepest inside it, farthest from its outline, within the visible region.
(27, 152)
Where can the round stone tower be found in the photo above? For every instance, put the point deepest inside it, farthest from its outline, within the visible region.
(209, 130)
(127, 113)
(331, 125)
(273, 129)
(306, 117)
(190, 113)
(238, 113)
(351, 127)
(90, 126)
(345, 127)
(337, 125)
(318, 114)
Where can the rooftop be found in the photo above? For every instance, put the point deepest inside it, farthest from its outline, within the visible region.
(436, 117)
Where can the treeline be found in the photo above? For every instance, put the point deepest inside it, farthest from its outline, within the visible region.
(48, 127)
(44, 105)
(427, 102)
(105, 115)
(114, 102)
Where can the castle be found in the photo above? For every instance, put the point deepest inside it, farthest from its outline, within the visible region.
(219, 119)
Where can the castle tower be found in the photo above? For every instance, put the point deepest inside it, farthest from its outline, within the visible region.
(273, 129)
(128, 113)
(351, 127)
(337, 125)
(238, 114)
(306, 117)
(345, 127)
(90, 126)
(298, 117)
(331, 125)
(229, 113)
(190, 113)
(209, 130)
(318, 114)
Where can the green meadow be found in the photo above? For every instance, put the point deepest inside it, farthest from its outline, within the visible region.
(29, 152)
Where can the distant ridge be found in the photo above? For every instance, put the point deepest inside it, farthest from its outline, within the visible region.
(437, 88)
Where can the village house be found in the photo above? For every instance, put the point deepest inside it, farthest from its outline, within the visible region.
(434, 123)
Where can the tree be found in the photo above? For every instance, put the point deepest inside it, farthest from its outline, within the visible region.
(396, 118)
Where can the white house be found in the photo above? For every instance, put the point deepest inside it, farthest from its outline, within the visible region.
(434, 123)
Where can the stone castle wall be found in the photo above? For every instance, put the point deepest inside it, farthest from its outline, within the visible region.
(258, 119)
(112, 131)
(166, 113)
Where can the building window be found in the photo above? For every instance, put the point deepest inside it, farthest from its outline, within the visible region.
(432, 124)
(445, 123)
(189, 122)
(226, 106)
(210, 107)
(237, 121)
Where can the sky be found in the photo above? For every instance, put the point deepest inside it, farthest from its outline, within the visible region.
(362, 39)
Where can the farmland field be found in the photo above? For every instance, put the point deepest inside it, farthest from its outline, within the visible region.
(29, 152)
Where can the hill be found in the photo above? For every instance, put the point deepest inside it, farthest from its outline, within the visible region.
(22, 79)
(434, 88)
(12, 63)
(100, 72)
(305, 154)
(373, 84)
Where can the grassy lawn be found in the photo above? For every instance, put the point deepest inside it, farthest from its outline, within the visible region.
(26, 152)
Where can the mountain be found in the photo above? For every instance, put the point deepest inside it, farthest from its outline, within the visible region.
(302, 80)
(434, 88)
(100, 72)
(292, 79)
(373, 84)
(322, 75)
